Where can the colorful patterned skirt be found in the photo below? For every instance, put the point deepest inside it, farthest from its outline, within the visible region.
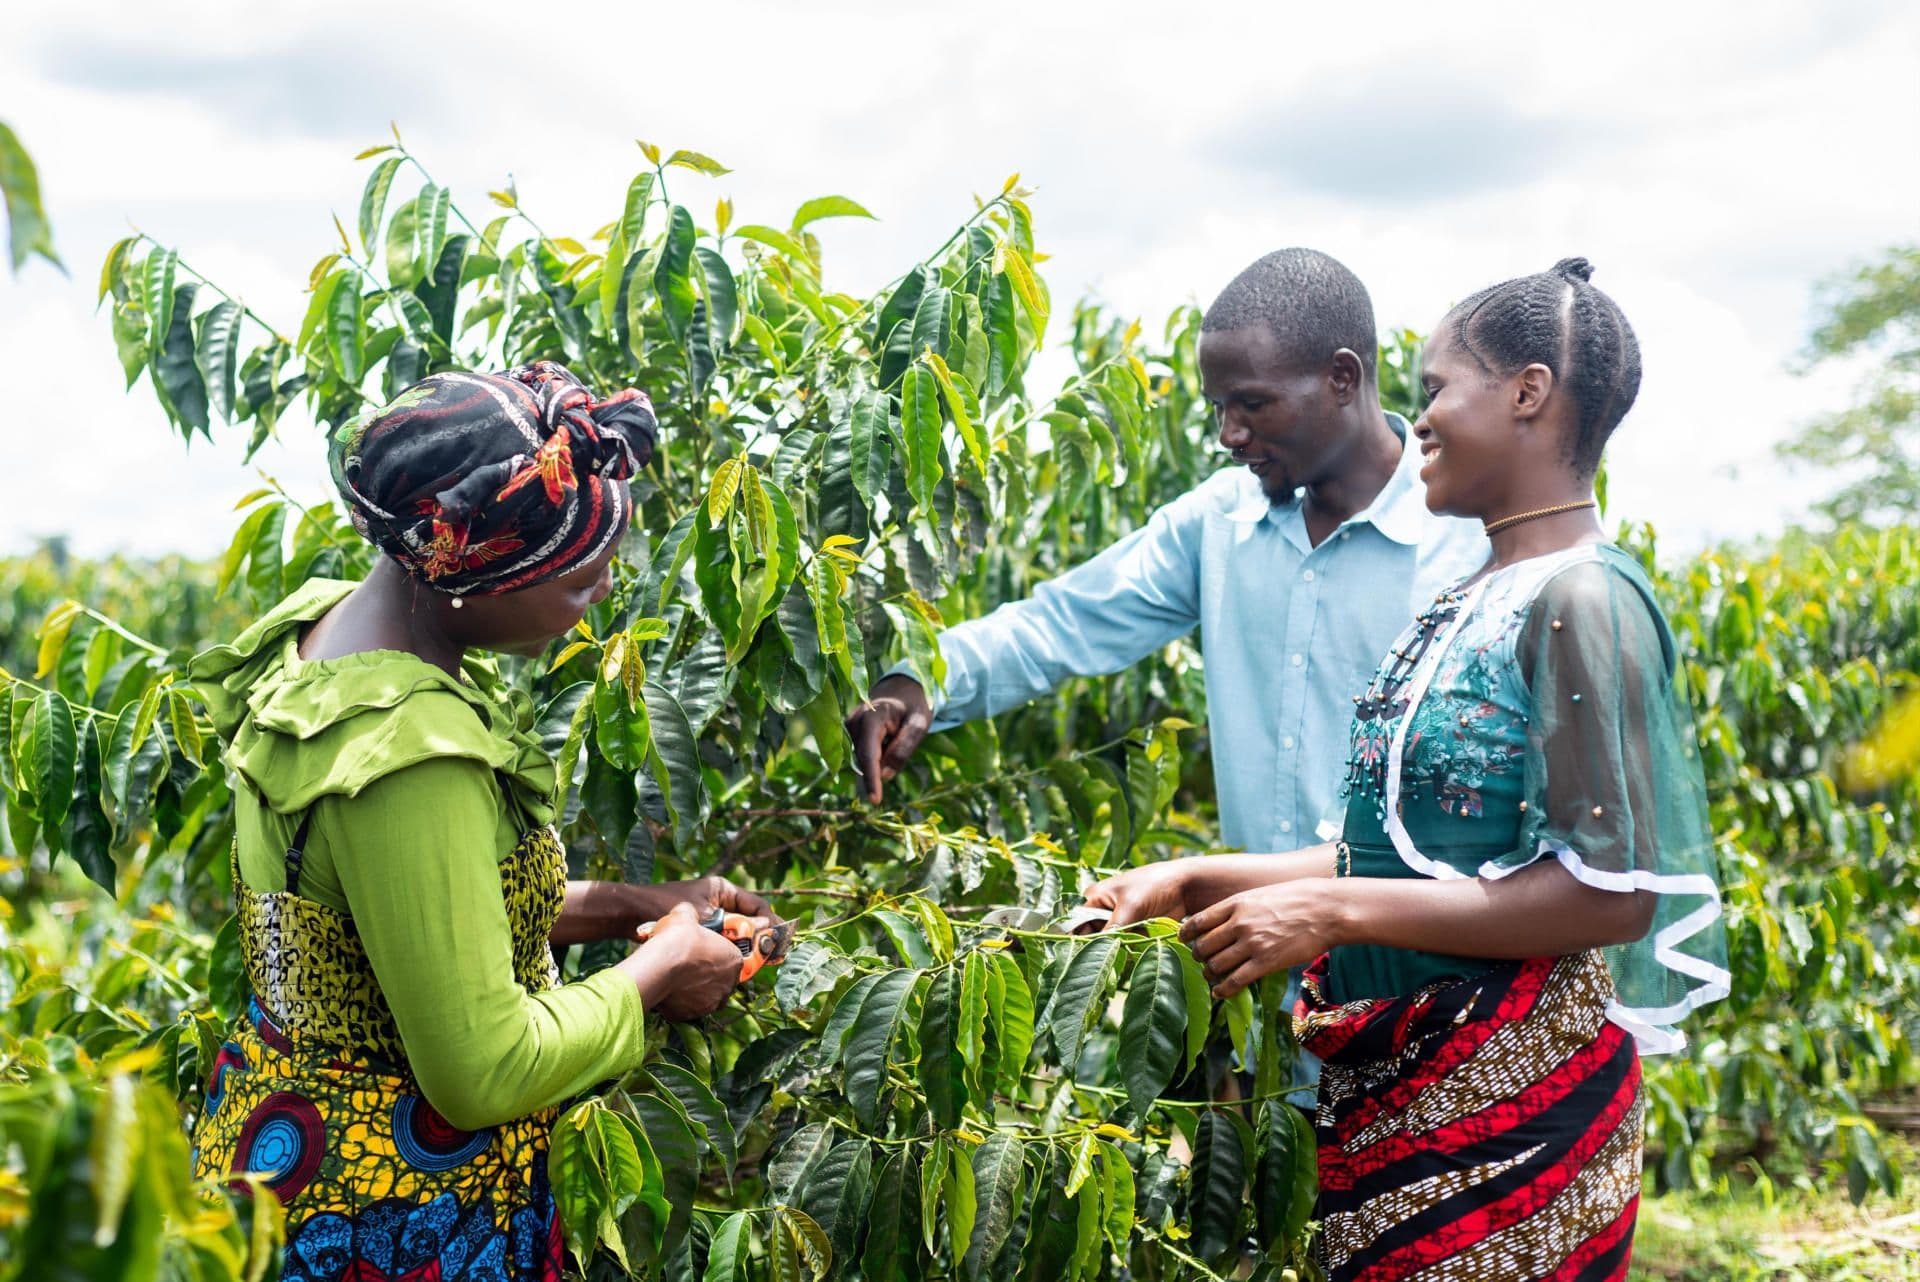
(1487, 1128)
(376, 1184)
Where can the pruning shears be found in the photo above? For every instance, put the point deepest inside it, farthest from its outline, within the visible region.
(759, 944)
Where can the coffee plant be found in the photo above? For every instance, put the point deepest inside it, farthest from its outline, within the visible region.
(935, 1083)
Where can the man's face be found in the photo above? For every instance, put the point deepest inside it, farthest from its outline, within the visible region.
(1277, 420)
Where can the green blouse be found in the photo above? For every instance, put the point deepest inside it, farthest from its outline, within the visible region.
(1541, 714)
(418, 784)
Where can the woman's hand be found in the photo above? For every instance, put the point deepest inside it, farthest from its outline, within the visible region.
(707, 893)
(685, 970)
(1253, 934)
(1143, 893)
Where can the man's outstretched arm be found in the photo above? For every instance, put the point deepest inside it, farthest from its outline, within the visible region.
(1099, 617)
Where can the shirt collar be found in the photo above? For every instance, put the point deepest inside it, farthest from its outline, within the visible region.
(1398, 511)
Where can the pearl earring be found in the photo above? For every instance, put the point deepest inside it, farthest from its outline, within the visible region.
(458, 602)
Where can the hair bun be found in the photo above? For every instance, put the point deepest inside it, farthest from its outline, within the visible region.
(1574, 269)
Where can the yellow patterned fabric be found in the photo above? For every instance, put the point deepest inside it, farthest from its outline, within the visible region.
(313, 1094)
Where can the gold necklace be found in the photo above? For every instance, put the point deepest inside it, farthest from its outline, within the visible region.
(1494, 527)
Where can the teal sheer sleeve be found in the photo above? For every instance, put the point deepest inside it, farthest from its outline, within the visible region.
(1613, 787)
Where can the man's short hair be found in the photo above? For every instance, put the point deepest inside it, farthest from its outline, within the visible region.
(1311, 304)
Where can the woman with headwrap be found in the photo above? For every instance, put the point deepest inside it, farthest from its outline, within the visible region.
(408, 1042)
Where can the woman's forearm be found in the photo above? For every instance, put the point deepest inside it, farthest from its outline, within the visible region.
(1215, 877)
(1539, 911)
(600, 910)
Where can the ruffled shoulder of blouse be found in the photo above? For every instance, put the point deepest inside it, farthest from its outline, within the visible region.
(299, 730)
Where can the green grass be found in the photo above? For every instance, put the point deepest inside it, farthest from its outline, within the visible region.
(1763, 1232)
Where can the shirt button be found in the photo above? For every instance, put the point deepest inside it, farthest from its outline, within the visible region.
(1299, 659)
(1287, 742)
(1306, 576)
(1286, 825)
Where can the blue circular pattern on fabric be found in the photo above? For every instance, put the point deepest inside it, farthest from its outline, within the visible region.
(428, 1142)
(276, 1148)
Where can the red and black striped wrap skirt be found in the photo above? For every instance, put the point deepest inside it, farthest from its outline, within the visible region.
(1483, 1129)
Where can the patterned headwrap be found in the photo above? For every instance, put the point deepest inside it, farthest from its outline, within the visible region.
(483, 483)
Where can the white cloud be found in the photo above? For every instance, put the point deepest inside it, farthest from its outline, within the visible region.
(1712, 159)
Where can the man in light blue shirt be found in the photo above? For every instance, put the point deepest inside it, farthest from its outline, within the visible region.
(1300, 567)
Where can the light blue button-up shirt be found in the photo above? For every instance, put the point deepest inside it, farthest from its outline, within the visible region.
(1290, 633)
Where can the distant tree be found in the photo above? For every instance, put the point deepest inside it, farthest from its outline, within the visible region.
(29, 231)
(1873, 311)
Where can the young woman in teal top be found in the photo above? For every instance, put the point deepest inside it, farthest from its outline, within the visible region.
(1524, 896)
(408, 1042)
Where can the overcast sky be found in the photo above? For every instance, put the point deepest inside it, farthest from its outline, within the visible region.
(1714, 160)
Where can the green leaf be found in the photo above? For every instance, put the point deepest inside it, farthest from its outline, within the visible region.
(1215, 1189)
(1012, 1022)
(622, 731)
(697, 1098)
(218, 354)
(962, 1204)
(130, 340)
(1029, 287)
(675, 759)
(698, 163)
(728, 1251)
(111, 1152)
(809, 1240)
(403, 253)
(837, 1192)
(942, 1068)
(722, 294)
(790, 1169)
(831, 1045)
(932, 321)
(935, 1172)
(669, 1135)
(373, 200)
(920, 426)
(970, 1033)
(871, 1041)
(435, 203)
(872, 441)
(1089, 1224)
(186, 730)
(1199, 1002)
(157, 292)
(264, 557)
(55, 757)
(1282, 1202)
(1117, 1195)
(889, 1220)
(1154, 1025)
(1078, 998)
(227, 971)
(113, 267)
(964, 408)
(673, 276)
(999, 1175)
(775, 239)
(827, 207)
(345, 342)
(29, 230)
(175, 372)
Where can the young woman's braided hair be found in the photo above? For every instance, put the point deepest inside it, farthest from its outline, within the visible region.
(1558, 319)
